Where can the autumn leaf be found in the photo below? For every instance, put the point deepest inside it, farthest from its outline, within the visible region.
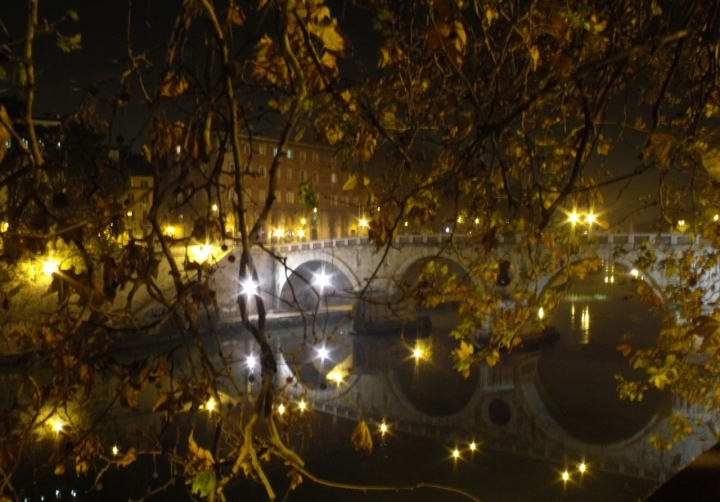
(127, 459)
(295, 479)
(70, 43)
(329, 34)
(235, 15)
(361, 437)
(72, 14)
(203, 483)
(173, 86)
(350, 183)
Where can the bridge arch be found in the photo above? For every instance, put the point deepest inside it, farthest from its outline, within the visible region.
(414, 264)
(300, 269)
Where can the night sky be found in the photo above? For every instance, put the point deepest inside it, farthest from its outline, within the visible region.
(63, 77)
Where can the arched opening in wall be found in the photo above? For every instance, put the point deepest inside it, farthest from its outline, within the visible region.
(433, 282)
(499, 412)
(313, 282)
(505, 273)
(576, 377)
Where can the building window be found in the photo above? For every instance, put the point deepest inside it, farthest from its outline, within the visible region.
(302, 175)
(345, 200)
(302, 155)
(290, 197)
(277, 195)
(231, 167)
(132, 198)
(143, 183)
(261, 171)
(289, 173)
(246, 149)
(315, 157)
(262, 196)
(275, 152)
(145, 199)
(182, 217)
(289, 153)
(333, 177)
(261, 149)
(315, 176)
(145, 216)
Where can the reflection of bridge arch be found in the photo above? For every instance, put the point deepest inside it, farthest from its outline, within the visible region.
(529, 396)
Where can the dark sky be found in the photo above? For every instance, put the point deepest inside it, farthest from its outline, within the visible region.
(62, 77)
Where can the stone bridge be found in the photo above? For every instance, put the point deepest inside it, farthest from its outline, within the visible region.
(353, 263)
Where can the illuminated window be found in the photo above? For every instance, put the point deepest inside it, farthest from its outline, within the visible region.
(261, 171)
(315, 157)
(333, 178)
(302, 175)
(261, 149)
(289, 154)
(289, 197)
(277, 195)
(302, 155)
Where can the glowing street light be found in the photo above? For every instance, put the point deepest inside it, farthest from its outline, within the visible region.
(590, 218)
(50, 267)
(541, 313)
(323, 353)
(57, 425)
(249, 288)
(302, 405)
(301, 233)
(250, 361)
(473, 446)
(170, 231)
(565, 476)
(281, 409)
(383, 428)
(303, 221)
(716, 217)
(363, 223)
(456, 453)
(115, 450)
(582, 467)
(210, 405)
(322, 280)
(215, 207)
(634, 272)
(573, 218)
(417, 353)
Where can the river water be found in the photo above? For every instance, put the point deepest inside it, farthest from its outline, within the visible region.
(532, 417)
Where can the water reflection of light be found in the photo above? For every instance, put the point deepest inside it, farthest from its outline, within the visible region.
(585, 325)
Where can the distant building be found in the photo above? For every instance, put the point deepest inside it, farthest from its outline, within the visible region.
(338, 212)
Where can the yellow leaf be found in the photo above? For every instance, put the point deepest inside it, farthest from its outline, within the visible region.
(60, 469)
(491, 15)
(235, 15)
(329, 35)
(534, 55)
(361, 437)
(350, 183)
(295, 479)
(147, 153)
(70, 43)
(127, 459)
(173, 86)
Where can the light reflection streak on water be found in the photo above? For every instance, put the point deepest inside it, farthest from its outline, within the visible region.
(585, 325)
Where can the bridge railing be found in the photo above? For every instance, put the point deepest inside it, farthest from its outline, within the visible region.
(667, 239)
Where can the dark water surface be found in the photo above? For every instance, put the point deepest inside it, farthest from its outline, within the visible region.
(533, 416)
